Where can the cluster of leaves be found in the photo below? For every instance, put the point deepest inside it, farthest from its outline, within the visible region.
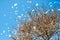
(42, 25)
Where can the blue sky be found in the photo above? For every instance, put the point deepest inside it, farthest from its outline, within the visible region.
(11, 10)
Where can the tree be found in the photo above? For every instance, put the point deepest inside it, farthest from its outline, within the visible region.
(42, 26)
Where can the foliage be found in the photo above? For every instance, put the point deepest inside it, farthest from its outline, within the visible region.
(42, 26)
